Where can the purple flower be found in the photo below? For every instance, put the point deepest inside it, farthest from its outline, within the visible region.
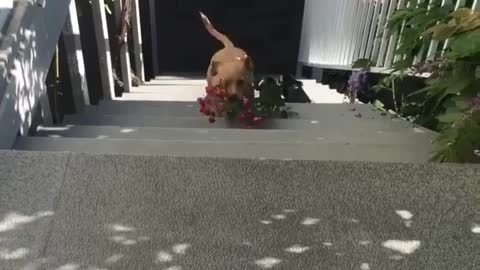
(475, 103)
(358, 81)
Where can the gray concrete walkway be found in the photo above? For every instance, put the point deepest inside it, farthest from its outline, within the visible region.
(67, 211)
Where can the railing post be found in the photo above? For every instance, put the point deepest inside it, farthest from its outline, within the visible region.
(137, 41)
(76, 65)
(153, 33)
(124, 55)
(104, 55)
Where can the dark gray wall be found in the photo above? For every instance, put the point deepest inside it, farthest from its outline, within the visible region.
(269, 30)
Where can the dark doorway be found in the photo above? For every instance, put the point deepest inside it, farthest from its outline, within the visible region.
(269, 30)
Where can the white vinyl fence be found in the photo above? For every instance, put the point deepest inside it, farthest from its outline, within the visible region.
(336, 33)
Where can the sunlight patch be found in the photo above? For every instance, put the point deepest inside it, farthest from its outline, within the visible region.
(181, 249)
(476, 228)
(268, 262)
(16, 254)
(297, 249)
(129, 242)
(143, 238)
(310, 221)
(114, 258)
(328, 244)
(118, 238)
(279, 217)
(266, 222)
(69, 266)
(354, 220)
(364, 266)
(404, 247)
(405, 214)
(365, 243)
(12, 220)
(127, 130)
(176, 267)
(164, 257)
(121, 228)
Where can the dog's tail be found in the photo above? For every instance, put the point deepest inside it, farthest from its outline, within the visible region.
(221, 37)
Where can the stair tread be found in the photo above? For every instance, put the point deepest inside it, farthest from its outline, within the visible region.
(274, 150)
(210, 213)
(345, 123)
(245, 135)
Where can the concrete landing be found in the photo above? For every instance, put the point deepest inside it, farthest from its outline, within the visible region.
(139, 212)
(188, 89)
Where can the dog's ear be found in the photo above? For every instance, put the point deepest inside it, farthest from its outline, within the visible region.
(248, 62)
(214, 68)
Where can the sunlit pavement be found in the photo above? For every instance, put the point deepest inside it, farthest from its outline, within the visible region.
(74, 211)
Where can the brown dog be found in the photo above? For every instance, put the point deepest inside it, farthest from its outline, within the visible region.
(230, 68)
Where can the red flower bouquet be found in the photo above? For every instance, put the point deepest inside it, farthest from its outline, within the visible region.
(217, 104)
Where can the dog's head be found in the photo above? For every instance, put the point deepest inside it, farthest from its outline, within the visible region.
(236, 77)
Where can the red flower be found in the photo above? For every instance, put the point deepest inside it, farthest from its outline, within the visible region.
(242, 117)
(257, 120)
(247, 104)
(211, 119)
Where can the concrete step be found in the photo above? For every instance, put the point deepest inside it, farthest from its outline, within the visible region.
(233, 135)
(345, 124)
(171, 89)
(126, 212)
(269, 150)
(321, 113)
(170, 108)
(155, 92)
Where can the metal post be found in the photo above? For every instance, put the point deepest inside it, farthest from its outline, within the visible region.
(105, 61)
(124, 55)
(137, 42)
(153, 33)
(76, 65)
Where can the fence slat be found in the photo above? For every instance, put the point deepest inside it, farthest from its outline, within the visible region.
(476, 5)
(375, 23)
(458, 5)
(385, 35)
(361, 29)
(392, 43)
(398, 57)
(419, 57)
(433, 48)
(380, 28)
(366, 30)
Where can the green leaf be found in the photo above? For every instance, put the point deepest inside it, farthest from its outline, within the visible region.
(458, 82)
(462, 103)
(434, 87)
(466, 45)
(450, 117)
(362, 63)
